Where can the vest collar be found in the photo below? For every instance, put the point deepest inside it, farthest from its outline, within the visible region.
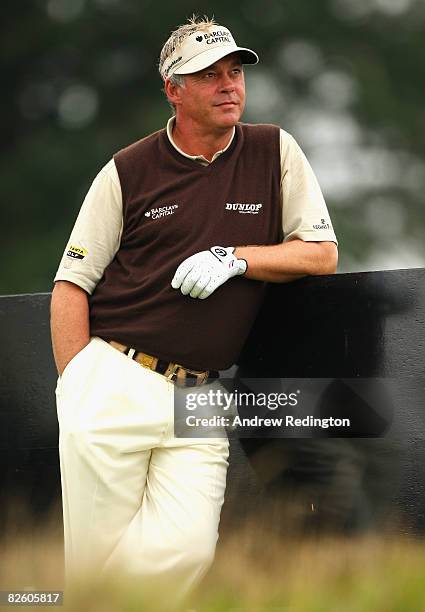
(198, 158)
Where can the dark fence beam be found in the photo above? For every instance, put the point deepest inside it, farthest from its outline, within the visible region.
(347, 325)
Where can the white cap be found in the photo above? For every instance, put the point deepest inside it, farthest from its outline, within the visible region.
(203, 48)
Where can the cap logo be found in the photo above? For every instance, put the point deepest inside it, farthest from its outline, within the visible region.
(173, 63)
(199, 38)
(219, 36)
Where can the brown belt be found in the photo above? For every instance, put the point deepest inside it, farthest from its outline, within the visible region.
(174, 372)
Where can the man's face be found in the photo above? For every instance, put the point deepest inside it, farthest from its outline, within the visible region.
(214, 98)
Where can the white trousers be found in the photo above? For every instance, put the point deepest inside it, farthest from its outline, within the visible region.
(134, 497)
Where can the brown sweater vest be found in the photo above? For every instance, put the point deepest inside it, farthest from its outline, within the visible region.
(174, 207)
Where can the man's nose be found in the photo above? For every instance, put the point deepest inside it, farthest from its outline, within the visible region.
(226, 83)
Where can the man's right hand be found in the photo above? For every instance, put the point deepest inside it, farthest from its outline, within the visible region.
(60, 372)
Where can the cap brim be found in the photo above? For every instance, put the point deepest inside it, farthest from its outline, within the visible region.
(205, 59)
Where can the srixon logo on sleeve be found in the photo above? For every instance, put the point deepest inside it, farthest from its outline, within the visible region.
(244, 209)
(322, 225)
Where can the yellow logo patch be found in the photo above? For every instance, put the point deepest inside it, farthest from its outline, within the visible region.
(76, 252)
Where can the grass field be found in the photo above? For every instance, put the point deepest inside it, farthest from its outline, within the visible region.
(253, 572)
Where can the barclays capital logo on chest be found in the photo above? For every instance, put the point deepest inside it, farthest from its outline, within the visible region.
(243, 209)
(161, 211)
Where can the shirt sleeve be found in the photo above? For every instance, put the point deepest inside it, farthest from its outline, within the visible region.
(304, 212)
(97, 232)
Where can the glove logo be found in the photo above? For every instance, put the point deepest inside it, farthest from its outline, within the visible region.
(219, 251)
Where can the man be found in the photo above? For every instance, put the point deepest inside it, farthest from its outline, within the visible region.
(157, 287)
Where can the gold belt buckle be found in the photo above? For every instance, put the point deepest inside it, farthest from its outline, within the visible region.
(147, 361)
(171, 370)
(202, 377)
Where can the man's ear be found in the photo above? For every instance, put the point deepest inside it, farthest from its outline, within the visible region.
(172, 91)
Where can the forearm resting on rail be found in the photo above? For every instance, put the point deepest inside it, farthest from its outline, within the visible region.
(289, 261)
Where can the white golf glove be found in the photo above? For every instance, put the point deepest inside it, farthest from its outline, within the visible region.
(201, 274)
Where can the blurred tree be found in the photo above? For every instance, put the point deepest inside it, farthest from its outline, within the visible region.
(345, 77)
